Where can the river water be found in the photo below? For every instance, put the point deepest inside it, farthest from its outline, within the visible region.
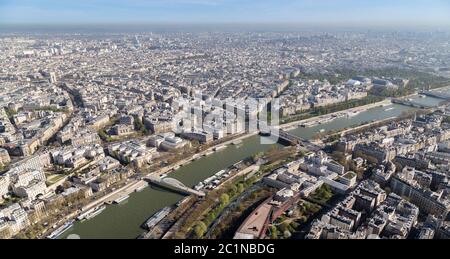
(123, 221)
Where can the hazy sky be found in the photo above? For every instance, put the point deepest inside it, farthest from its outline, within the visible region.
(349, 12)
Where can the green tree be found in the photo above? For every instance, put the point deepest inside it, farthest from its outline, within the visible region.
(273, 232)
(284, 227)
(139, 125)
(224, 199)
(211, 217)
(241, 188)
(200, 229)
(104, 136)
(233, 190)
(446, 119)
(287, 234)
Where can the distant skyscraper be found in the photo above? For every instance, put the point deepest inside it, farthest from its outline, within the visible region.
(53, 79)
(137, 44)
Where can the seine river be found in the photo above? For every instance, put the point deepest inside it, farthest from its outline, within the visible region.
(124, 220)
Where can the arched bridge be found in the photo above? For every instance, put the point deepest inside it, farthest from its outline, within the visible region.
(174, 185)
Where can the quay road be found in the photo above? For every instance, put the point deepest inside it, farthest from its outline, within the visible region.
(123, 191)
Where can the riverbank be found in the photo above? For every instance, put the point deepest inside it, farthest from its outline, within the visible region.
(440, 88)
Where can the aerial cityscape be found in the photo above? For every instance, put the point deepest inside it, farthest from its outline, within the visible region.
(241, 127)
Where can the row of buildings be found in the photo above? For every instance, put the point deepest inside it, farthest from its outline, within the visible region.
(296, 180)
(303, 95)
(409, 159)
(367, 213)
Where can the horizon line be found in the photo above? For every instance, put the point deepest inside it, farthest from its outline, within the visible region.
(243, 25)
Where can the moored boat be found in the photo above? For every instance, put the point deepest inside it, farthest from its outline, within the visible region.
(121, 199)
(61, 230)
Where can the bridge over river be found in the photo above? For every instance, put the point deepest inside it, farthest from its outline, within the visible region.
(285, 137)
(437, 94)
(174, 185)
(411, 104)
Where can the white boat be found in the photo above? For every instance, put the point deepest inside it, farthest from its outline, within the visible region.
(322, 130)
(199, 186)
(141, 188)
(209, 179)
(309, 124)
(326, 120)
(338, 115)
(219, 148)
(389, 109)
(121, 199)
(83, 215)
(96, 212)
(61, 230)
(220, 173)
(352, 114)
(237, 142)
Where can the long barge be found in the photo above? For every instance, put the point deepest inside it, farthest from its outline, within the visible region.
(156, 218)
(61, 230)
